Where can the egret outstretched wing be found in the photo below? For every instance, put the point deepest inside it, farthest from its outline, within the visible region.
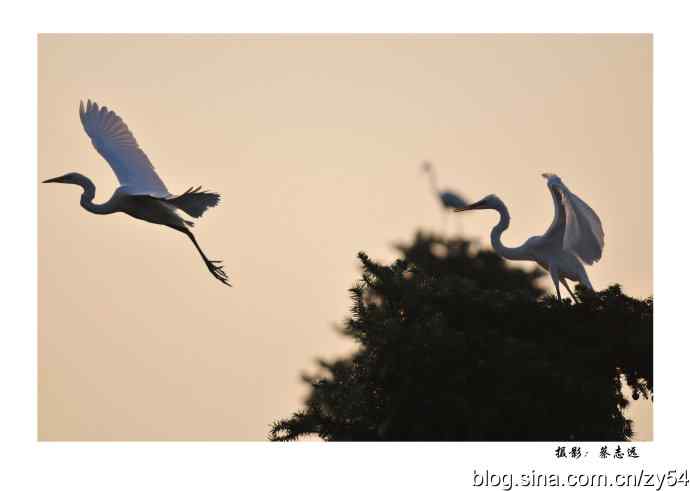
(113, 140)
(555, 232)
(581, 227)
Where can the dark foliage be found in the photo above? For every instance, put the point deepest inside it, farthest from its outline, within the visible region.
(458, 346)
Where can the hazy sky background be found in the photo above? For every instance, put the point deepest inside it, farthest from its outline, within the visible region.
(315, 143)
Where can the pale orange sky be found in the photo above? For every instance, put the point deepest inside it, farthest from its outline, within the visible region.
(315, 144)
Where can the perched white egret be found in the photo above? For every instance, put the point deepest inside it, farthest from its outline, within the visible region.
(575, 236)
(449, 199)
(142, 193)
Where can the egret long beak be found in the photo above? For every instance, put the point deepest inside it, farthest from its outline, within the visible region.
(473, 206)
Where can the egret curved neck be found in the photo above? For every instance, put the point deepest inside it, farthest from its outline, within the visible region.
(89, 194)
(514, 253)
(432, 180)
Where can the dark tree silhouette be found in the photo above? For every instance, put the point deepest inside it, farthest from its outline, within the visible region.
(456, 345)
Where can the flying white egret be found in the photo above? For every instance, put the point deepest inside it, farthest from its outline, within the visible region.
(449, 199)
(575, 236)
(142, 193)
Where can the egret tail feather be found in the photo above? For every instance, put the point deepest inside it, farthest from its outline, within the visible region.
(194, 202)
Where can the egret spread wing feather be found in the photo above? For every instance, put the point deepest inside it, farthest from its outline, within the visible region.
(116, 143)
(583, 234)
(557, 228)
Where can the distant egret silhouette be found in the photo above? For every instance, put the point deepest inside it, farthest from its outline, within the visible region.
(574, 237)
(141, 194)
(449, 199)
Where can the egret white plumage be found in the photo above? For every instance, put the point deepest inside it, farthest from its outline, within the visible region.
(449, 199)
(574, 237)
(142, 193)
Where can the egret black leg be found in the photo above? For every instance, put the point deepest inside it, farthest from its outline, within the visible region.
(565, 284)
(556, 281)
(213, 266)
